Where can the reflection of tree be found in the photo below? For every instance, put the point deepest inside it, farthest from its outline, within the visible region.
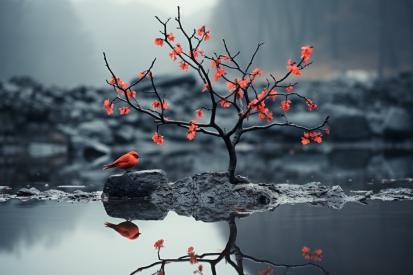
(232, 249)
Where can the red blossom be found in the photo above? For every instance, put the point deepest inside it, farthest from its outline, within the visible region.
(171, 37)
(305, 140)
(157, 104)
(141, 74)
(289, 89)
(328, 131)
(109, 106)
(199, 114)
(178, 48)
(158, 42)
(306, 53)
(293, 68)
(124, 111)
(207, 86)
(131, 93)
(191, 135)
(201, 30)
(158, 139)
(285, 105)
(183, 65)
(219, 73)
(311, 105)
(158, 244)
(207, 36)
(316, 137)
(214, 62)
(224, 103)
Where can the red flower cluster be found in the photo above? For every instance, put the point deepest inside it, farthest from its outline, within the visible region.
(157, 104)
(311, 105)
(193, 259)
(183, 65)
(200, 268)
(109, 106)
(199, 113)
(224, 103)
(158, 42)
(124, 111)
(254, 73)
(176, 51)
(285, 105)
(315, 256)
(265, 272)
(192, 130)
(289, 89)
(293, 68)
(314, 136)
(306, 53)
(158, 139)
(207, 86)
(158, 244)
(171, 37)
(195, 52)
(201, 31)
(218, 73)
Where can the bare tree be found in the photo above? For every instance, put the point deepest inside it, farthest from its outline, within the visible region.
(243, 98)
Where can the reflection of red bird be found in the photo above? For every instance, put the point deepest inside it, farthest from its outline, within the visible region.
(126, 229)
(124, 162)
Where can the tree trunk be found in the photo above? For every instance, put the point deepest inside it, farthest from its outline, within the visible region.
(232, 160)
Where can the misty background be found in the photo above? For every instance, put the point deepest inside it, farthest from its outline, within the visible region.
(61, 42)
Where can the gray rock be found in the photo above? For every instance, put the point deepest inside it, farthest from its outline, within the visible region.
(398, 123)
(28, 192)
(97, 129)
(136, 184)
(349, 127)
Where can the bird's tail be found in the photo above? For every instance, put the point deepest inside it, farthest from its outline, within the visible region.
(111, 225)
(108, 166)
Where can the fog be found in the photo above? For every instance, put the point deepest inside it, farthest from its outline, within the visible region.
(61, 42)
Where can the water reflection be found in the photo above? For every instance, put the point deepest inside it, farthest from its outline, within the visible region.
(231, 249)
(126, 229)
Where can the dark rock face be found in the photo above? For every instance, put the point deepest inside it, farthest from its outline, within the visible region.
(350, 127)
(135, 210)
(398, 124)
(136, 184)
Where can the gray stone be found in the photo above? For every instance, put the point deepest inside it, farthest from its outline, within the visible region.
(398, 123)
(136, 184)
(28, 192)
(349, 127)
(97, 129)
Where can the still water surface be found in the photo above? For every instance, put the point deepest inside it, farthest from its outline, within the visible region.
(50, 237)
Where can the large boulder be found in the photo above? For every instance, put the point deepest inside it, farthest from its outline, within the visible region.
(135, 184)
(398, 124)
(97, 129)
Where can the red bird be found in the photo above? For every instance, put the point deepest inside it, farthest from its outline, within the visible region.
(124, 162)
(126, 229)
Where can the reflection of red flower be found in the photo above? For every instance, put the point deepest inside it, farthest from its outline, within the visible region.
(158, 244)
(266, 272)
(315, 256)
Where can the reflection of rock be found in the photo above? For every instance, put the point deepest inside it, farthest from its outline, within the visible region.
(398, 124)
(135, 210)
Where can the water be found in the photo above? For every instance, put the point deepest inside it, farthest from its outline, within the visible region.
(49, 237)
